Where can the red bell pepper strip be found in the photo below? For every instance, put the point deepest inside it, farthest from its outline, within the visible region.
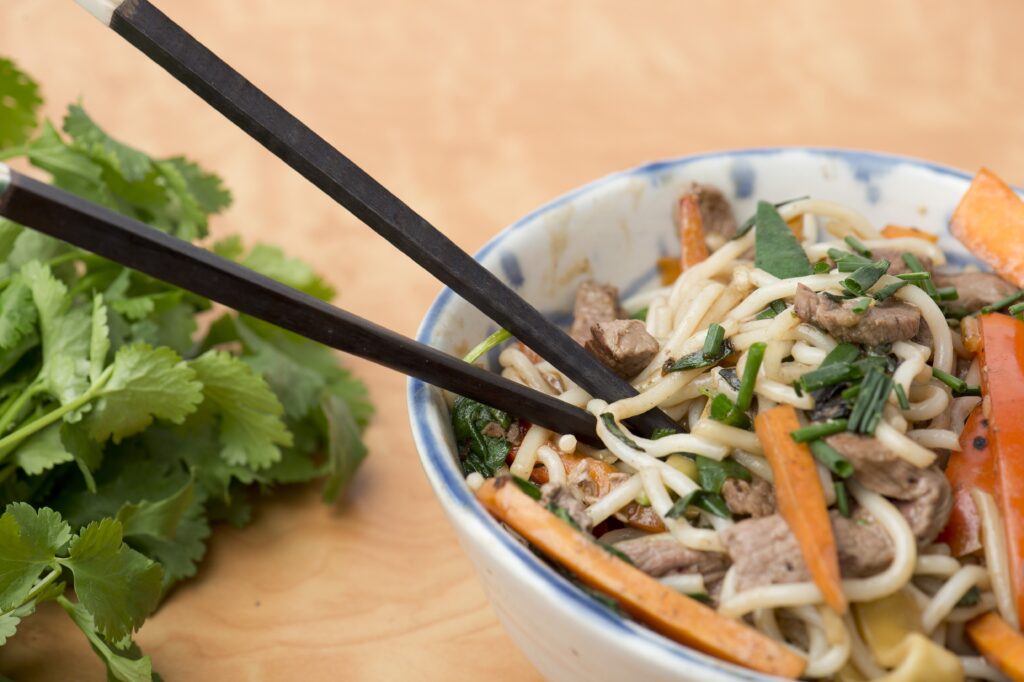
(972, 467)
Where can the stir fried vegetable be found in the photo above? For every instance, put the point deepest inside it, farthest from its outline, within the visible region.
(1002, 375)
(999, 642)
(899, 231)
(674, 615)
(986, 215)
(971, 467)
(801, 500)
(691, 232)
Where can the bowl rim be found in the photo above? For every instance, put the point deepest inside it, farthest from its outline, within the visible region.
(448, 481)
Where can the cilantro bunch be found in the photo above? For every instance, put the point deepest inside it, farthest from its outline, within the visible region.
(124, 430)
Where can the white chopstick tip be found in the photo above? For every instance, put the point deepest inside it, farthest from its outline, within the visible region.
(101, 9)
(5, 177)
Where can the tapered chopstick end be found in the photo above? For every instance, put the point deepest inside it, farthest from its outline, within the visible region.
(101, 9)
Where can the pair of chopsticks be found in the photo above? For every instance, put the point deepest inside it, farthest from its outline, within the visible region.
(138, 246)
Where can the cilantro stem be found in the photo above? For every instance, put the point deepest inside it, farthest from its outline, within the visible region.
(13, 152)
(9, 442)
(487, 344)
(74, 254)
(36, 589)
(15, 407)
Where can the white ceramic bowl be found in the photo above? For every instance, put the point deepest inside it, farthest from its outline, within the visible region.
(613, 230)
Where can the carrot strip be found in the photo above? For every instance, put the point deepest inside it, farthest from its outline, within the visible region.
(898, 231)
(670, 269)
(972, 467)
(801, 500)
(691, 232)
(999, 643)
(1002, 386)
(990, 221)
(648, 601)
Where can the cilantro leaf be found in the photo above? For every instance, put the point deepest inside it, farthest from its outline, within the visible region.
(345, 449)
(118, 585)
(42, 451)
(17, 314)
(99, 340)
(19, 101)
(271, 261)
(132, 164)
(251, 428)
(480, 451)
(29, 542)
(10, 620)
(72, 166)
(128, 666)
(206, 189)
(145, 382)
(776, 249)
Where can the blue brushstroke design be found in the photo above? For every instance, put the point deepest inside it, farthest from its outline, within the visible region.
(510, 267)
(874, 193)
(744, 178)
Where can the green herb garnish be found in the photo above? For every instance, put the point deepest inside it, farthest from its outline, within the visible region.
(482, 348)
(867, 410)
(857, 246)
(640, 315)
(864, 278)
(749, 222)
(828, 375)
(948, 293)
(916, 267)
(776, 249)
(609, 422)
(527, 487)
(713, 341)
(861, 306)
(711, 474)
(901, 396)
(725, 411)
(483, 453)
(842, 498)
(889, 289)
(755, 355)
(712, 503)
(820, 430)
(843, 353)
(698, 360)
(1003, 302)
(831, 458)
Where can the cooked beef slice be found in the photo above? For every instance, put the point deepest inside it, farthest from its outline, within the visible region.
(888, 322)
(624, 346)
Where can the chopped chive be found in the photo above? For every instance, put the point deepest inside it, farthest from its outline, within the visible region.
(845, 256)
(842, 499)
(867, 410)
(843, 353)
(954, 313)
(746, 393)
(798, 389)
(1016, 309)
(661, 432)
(778, 305)
(615, 552)
(857, 246)
(725, 411)
(766, 314)
(712, 473)
(828, 375)
(948, 293)
(851, 265)
(831, 458)
(851, 393)
(640, 315)
(889, 289)
(861, 306)
(487, 344)
(953, 382)
(1002, 303)
(914, 276)
(713, 341)
(609, 422)
(701, 499)
(698, 360)
(821, 267)
(915, 266)
(863, 278)
(819, 430)
(970, 390)
(527, 487)
(901, 396)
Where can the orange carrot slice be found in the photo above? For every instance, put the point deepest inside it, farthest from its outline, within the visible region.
(801, 500)
(691, 232)
(1002, 385)
(664, 610)
(990, 222)
(972, 467)
(999, 643)
(898, 231)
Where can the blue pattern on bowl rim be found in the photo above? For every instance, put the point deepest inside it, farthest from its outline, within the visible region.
(869, 169)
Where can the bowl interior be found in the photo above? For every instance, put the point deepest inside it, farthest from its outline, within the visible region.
(613, 230)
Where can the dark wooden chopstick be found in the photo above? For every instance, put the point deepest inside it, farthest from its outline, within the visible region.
(139, 246)
(248, 107)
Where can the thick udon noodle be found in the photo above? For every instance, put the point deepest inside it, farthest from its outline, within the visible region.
(728, 290)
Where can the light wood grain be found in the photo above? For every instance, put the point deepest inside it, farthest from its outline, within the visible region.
(474, 113)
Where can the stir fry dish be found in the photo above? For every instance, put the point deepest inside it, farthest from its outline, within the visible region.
(844, 498)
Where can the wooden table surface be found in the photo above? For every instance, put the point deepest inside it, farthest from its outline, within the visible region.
(474, 113)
